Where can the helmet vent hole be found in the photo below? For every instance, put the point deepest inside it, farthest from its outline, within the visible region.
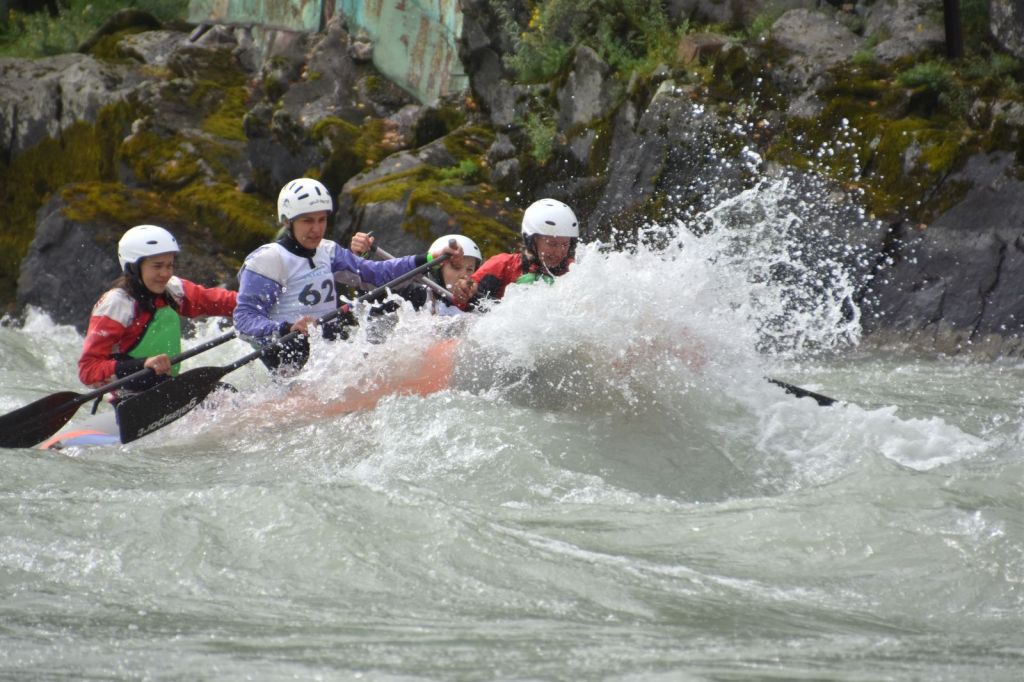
(549, 222)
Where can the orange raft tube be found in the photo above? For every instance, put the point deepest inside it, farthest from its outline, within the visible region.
(429, 373)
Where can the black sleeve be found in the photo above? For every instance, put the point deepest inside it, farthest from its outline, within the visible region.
(416, 294)
(488, 287)
(126, 366)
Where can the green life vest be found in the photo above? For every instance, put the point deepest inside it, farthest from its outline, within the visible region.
(531, 277)
(162, 335)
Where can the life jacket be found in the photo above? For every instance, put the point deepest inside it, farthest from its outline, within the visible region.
(162, 335)
(531, 277)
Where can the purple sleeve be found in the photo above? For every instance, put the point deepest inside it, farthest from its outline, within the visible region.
(256, 295)
(375, 272)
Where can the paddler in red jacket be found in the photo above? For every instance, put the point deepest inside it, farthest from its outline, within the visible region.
(550, 234)
(137, 323)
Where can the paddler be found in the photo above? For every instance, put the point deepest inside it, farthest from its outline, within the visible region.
(550, 233)
(426, 295)
(286, 285)
(137, 323)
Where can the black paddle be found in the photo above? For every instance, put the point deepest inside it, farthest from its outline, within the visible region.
(164, 403)
(823, 400)
(37, 421)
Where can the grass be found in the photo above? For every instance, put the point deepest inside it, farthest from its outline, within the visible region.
(38, 34)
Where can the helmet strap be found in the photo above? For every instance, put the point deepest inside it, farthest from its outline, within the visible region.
(531, 261)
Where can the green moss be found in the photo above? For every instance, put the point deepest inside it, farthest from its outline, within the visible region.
(108, 47)
(472, 214)
(114, 204)
(219, 68)
(233, 221)
(82, 153)
(342, 161)
(600, 152)
(477, 211)
(467, 171)
(393, 187)
(226, 119)
(160, 161)
(469, 142)
(436, 123)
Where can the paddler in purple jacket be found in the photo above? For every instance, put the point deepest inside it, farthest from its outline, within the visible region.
(287, 285)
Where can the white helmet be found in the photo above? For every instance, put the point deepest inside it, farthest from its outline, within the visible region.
(142, 241)
(552, 218)
(469, 247)
(304, 195)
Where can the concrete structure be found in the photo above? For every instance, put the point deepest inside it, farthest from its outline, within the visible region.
(416, 42)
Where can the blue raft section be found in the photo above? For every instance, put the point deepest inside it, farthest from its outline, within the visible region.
(99, 429)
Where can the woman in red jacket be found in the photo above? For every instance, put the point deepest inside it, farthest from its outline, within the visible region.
(137, 324)
(550, 233)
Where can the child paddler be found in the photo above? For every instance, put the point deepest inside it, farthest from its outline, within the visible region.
(137, 324)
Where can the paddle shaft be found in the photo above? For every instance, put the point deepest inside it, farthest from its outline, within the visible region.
(181, 357)
(426, 281)
(39, 420)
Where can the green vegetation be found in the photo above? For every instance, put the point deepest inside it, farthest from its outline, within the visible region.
(474, 207)
(82, 153)
(39, 34)
(935, 86)
(630, 35)
(541, 131)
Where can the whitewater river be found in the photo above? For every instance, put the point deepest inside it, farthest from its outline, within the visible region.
(609, 490)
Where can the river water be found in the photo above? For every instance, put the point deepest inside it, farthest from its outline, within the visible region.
(610, 489)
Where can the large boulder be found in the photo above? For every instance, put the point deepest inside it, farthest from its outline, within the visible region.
(904, 28)
(42, 97)
(956, 281)
(812, 42)
(68, 266)
(666, 150)
(73, 258)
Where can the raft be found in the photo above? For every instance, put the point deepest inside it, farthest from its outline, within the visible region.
(431, 374)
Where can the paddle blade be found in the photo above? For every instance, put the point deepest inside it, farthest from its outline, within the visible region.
(37, 421)
(822, 400)
(166, 402)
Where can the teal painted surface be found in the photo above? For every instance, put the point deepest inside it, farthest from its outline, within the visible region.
(415, 42)
(293, 15)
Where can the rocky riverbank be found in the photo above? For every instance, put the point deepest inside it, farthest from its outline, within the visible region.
(655, 116)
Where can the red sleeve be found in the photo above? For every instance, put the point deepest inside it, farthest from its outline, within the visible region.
(96, 366)
(200, 300)
(496, 273)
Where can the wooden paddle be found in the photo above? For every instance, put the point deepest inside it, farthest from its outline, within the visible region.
(37, 421)
(166, 402)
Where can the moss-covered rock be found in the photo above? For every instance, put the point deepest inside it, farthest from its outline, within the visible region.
(83, 152)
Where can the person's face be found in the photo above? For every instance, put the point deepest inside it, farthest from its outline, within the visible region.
(155, 272)
(452, 273)
(551, 250)
(309, 228)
